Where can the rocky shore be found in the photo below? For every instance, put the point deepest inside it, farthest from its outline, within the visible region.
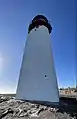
(17, 109)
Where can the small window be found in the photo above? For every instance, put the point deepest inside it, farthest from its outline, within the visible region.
(45, 76)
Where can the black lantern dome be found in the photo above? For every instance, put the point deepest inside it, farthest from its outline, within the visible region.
(39, 20)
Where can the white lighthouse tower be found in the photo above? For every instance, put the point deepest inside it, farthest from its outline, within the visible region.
(37, 80)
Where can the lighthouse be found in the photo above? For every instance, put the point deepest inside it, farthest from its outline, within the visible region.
(37, 79)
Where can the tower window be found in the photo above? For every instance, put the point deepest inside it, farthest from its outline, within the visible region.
(45, 75)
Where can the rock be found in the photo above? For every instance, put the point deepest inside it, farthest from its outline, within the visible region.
(17, 109)
(5, 112)
(47, 115)
(8, 116)
(5, 98)
(34, 118)
(52, 109)
(63, 116)
(34, 115)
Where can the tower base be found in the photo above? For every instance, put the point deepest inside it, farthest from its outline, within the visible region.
(45, 103)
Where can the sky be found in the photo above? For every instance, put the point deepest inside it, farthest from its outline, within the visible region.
(15, 17)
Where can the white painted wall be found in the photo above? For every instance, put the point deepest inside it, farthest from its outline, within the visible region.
(38, 62)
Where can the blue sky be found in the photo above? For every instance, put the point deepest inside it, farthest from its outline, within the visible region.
(15, 16)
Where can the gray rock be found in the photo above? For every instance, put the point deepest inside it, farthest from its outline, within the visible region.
(17, 109)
